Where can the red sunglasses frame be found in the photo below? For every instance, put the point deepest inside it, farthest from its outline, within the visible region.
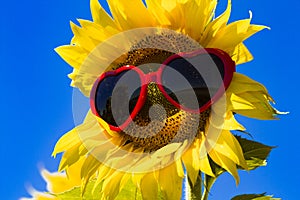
(229, 69)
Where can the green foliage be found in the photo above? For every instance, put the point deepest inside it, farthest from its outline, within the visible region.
(254, 197)
(255, 153)
(76, 193)
(128, 192)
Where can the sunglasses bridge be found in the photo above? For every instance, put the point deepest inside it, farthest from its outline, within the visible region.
(150, 77)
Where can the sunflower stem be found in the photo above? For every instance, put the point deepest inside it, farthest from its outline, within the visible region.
(196, 190)
(209, 181)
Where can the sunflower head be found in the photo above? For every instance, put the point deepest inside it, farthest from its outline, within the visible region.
(162, 137)
(158, 121)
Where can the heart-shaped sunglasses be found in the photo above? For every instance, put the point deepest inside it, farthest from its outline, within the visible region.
(191, 81)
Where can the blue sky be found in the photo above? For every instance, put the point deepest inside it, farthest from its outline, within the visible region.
(36, 101)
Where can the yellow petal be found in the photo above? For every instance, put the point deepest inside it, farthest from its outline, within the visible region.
(60, 182)
(250, 98)
(81, 38)
(136, 179)
(106, 127)
(198, 14)
(233, 34)
(97, 32)
(233, 143)
(134, 16)
(205, 167)
(192, 171)
(111, 185)
(149, 187)
(166, 150)
(126, 177)
(100, 16)
(214, 26)
(169, 13)
(253, 105)
(175, 12)
(71, 156)
(240, 54)
(103, 172)
(179, 166)
(148, 163)
(239, 103)
(170, 183)
(89, 168)
(204, 164)
(169, 5)
(73, 55)
(200, 159)
(68, 140)
(241, 83)
(227, 145)
(73, 143)
(119, 159)
(225, 163)
(231, 123)
(225, 120)
(73, 172)
(158, 12)
(56, 182)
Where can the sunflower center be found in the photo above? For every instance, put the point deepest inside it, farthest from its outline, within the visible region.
(158, 132)
(156, 49)
(174, 125)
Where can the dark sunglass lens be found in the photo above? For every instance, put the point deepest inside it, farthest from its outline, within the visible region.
(116, 97)
(219, 64)
(200, 75)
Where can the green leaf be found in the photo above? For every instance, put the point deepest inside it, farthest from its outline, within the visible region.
(255, 153)
(128, 192)
(254, 197)
(75, 193)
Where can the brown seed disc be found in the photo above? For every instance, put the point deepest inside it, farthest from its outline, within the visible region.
(178, 124)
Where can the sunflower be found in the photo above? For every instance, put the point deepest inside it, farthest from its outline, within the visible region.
(58, 182)
(152, 158)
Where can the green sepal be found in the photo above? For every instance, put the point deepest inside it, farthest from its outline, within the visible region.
(255, 153)
(254, 197)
